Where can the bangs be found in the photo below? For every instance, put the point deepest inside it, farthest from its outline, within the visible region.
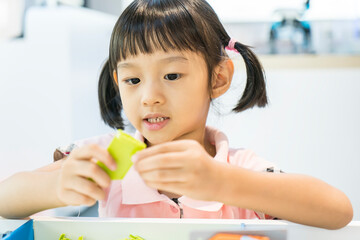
(148, 26)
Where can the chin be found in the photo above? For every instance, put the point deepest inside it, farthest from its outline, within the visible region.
(156, 140)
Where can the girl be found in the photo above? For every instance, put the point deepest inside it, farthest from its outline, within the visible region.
(167, 62)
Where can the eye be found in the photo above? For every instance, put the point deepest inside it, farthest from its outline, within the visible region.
(132, 81)
(172, 76)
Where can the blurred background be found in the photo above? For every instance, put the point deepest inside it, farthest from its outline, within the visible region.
(51, 54)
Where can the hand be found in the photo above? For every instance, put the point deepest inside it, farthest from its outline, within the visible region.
(81, 181)
(182, 167)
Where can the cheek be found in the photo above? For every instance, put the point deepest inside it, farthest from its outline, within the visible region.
(197, 98)
(128, 103)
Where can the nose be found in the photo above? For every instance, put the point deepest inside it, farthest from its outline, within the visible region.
(152, 94)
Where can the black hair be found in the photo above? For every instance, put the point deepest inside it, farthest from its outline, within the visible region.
(149, 25)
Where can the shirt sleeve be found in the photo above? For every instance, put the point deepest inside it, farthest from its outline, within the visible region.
(247, 159)
(63, 151)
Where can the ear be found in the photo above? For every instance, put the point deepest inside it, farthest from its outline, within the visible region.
(222, 79)
(115, 77)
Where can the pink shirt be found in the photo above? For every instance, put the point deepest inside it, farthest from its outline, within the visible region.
(132, 198)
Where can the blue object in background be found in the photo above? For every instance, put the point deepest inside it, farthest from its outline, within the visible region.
(24, 232)
(293, 29)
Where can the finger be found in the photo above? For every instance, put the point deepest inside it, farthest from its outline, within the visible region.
(174, 146)
(94, 151)
(87, 188)
(75, 198)
(91, 170)
(160, 161)
(164, 176)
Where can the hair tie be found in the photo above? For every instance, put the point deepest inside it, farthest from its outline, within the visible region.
(231, 45)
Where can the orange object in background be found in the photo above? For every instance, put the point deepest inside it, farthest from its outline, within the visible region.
(230, 236)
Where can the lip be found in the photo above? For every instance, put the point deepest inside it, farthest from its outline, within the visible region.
(155, 126)
(154, 115)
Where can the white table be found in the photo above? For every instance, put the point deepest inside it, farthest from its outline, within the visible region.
(46, 228)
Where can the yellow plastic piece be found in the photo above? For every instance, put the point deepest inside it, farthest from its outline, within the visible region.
(132, 237)
(63, 237)
(121, 148)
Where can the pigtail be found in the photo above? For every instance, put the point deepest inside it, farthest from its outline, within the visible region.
(109, 99)
(255, 90)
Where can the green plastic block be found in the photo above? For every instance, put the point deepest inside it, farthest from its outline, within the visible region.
(63, 237)
(132, 237)
(121, 148)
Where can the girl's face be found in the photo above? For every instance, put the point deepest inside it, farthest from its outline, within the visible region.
(165, 95)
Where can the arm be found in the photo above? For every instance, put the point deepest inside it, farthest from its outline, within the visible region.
(26, 193)
(184, 167)
(78, 180)
(297, 198)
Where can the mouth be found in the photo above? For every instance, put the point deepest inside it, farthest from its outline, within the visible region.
(155, 122)
(156, 119)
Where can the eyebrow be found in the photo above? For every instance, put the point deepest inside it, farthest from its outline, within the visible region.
(164, 60)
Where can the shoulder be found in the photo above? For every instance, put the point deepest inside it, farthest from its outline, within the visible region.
(101, 140)
(240, 157)
(248, 159)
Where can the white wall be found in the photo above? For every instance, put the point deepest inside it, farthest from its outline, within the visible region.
(311, 125)
(11, 12)
(48, 85)
(263, 10)
(109, 6)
